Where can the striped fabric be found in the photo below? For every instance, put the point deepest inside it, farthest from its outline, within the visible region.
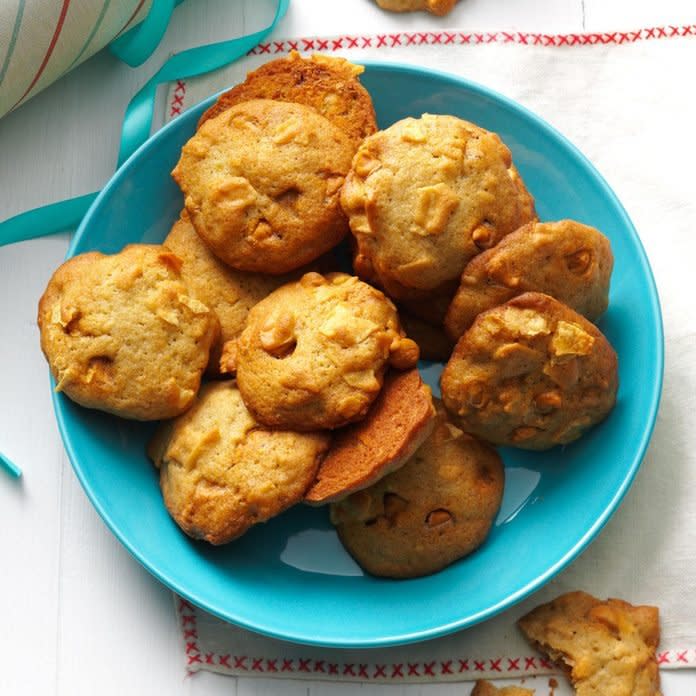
(41, 40)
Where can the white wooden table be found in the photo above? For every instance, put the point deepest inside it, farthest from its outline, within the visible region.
(79, 615)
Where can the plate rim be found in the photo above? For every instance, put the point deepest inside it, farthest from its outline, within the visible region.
(656, 328)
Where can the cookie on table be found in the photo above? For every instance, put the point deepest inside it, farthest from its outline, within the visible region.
(396, 425)
(435, 509)
(531, 373)
(123, 334)
(485, 688)
(221, 472)
(567, 260)
(607, 648)
(326, 83)
(436, 7)
(229, 293)
(313, 353)
(434, 344)
(426, 195)
(261, 184)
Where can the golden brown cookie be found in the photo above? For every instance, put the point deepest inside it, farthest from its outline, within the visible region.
(229, 293)
(123, 334)
(221, 472)
(425, 196)
(606, 648)
(531, 373)
(435, 509)
(261, 184)
(436, 7)
(434, 344)
(313, 353)
(485, 688)
(567, 260)
(396, 425)
(326, 83)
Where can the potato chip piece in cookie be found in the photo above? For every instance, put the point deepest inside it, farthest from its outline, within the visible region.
(607, 648)
(396, 425)
(123, 333)
(435, 509)
(313, 353)
(221, 472)
(261, 184)
(485, 688)
(531, 373)
(426, 195)
(436, 7)
(326, 83)
(567, 260)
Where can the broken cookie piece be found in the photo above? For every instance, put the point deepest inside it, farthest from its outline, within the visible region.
(485, 688)
(607, 648)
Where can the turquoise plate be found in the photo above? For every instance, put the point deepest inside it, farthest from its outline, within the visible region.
(290, 578)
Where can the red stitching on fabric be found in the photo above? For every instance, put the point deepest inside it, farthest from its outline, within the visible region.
(406, 38)
(175, 110)
(188, 616)
(394, 671)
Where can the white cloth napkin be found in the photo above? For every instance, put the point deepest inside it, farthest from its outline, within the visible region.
(625, 99)
(41, 40)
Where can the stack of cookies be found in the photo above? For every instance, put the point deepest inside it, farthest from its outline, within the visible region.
(280, 379)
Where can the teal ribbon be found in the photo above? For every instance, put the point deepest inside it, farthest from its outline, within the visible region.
(137, 124)
(137, 45)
